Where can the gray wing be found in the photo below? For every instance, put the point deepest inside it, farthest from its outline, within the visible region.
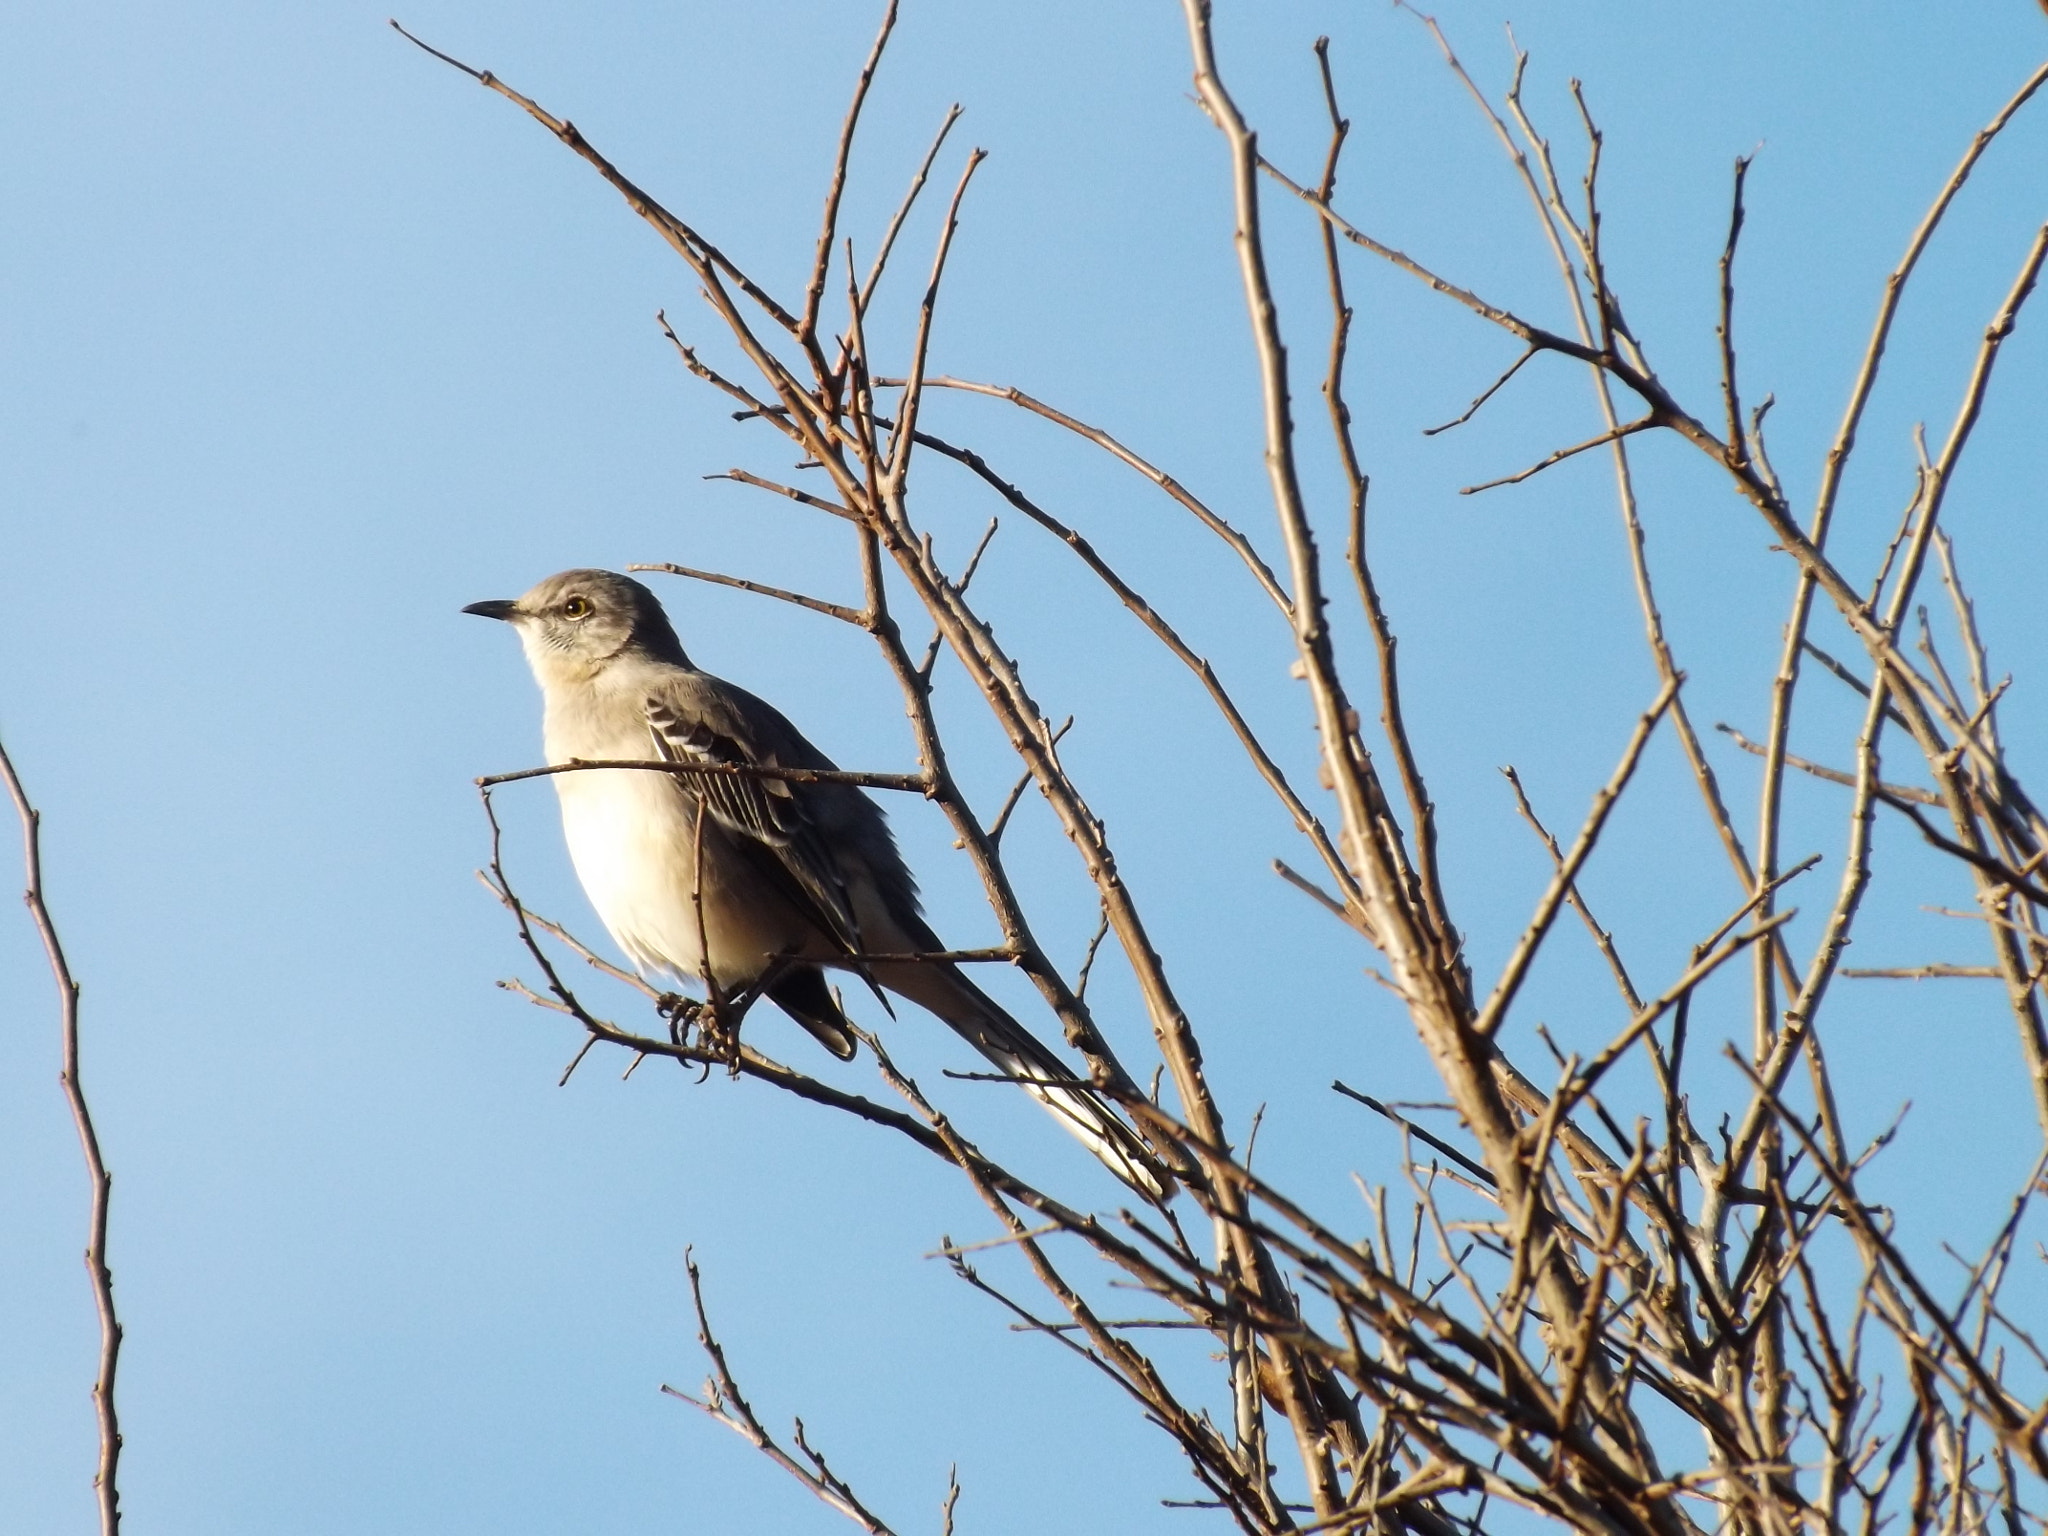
(796, 833)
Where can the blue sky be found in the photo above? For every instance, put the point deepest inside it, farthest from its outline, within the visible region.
(307, 342)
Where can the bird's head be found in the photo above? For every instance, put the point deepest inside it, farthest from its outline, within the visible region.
(575, 624)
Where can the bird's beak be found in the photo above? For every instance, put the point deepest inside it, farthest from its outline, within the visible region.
(496, 608)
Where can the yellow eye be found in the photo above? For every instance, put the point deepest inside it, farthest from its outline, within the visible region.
(576, 608)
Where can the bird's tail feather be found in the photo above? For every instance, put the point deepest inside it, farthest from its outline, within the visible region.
(803, 994)
(978, 1019)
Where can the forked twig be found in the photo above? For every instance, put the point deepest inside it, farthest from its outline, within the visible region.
(724, 1402)
(1489, 1019)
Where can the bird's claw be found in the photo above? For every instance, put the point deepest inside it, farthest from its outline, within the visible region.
(718, 1035)
(683, 1014)
(707, 1028)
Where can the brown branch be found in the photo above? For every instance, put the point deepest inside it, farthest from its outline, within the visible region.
(1305, 820)
(724, 1401)
(2003, 873)
(1719, 953)
(2020, 1432)
(938, 639)
(792, 492)
(563, 936)
(1008, 808)
(993, 954)
(1490, 1017)
(975, 648)
(1484, 395)
(1831, 775)
(1973, 641)
(1612, 435)
(105, 1482)
(1750, 480)
(1534, 335)
(1478, 1170)
(1128, 1367)
(867, 289)
(690, 245)
(1421, 809)
(1216, 524)
(1558, 222)
(909, 783)
(752, 405)
(1922, 972)
(837, 611)
(814, 291)
(1602, 939)
(1348, 915)
(1726, 330)
(904, 430)
(1894, 289)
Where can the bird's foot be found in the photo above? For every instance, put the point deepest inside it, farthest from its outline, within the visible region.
(710, 1029)
(683, 1014)
(718, 1034)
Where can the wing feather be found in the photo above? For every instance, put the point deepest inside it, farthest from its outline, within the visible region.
(769, 814)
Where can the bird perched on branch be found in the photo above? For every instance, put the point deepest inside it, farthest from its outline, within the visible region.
(750, 883)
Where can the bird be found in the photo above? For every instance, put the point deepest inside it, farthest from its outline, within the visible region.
(759, 885)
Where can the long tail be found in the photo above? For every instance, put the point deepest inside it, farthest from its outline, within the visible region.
(979, 1020)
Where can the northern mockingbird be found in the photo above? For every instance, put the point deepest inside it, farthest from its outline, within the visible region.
(790, 878)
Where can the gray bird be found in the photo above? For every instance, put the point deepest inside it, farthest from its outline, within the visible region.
(791, 878)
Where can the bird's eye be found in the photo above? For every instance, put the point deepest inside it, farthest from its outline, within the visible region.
(576, 608)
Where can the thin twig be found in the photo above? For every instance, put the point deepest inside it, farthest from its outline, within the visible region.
(1261, 572)
(794, 493)
(837, 611)
(908, 783)
(1490, 1017)
(881, 261)
(1478, 1170)
(723, 1401)
(1602, 939)
(1483, 396)
(105, 1481)
(1831, 775)
(1922, 972)
(1612, 435)
(814, 291)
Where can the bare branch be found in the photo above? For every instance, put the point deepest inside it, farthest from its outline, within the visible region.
(688, 244)
(881, 262)
(1305, 820)
(105, 1482)
(1612, 435)
(837, 611)
(1489, 1020)
(1831, 775)
(814, 291)
(1894, 289)
(724, 1401)
(1216, 524)
(1483, 396)
(1923, 972)
(1729, 392)
(794, 493)
(909, 783)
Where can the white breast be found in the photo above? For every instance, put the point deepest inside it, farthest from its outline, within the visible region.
(630, 835)
(631, 838)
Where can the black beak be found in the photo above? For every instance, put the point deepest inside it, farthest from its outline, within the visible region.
(496, 608)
